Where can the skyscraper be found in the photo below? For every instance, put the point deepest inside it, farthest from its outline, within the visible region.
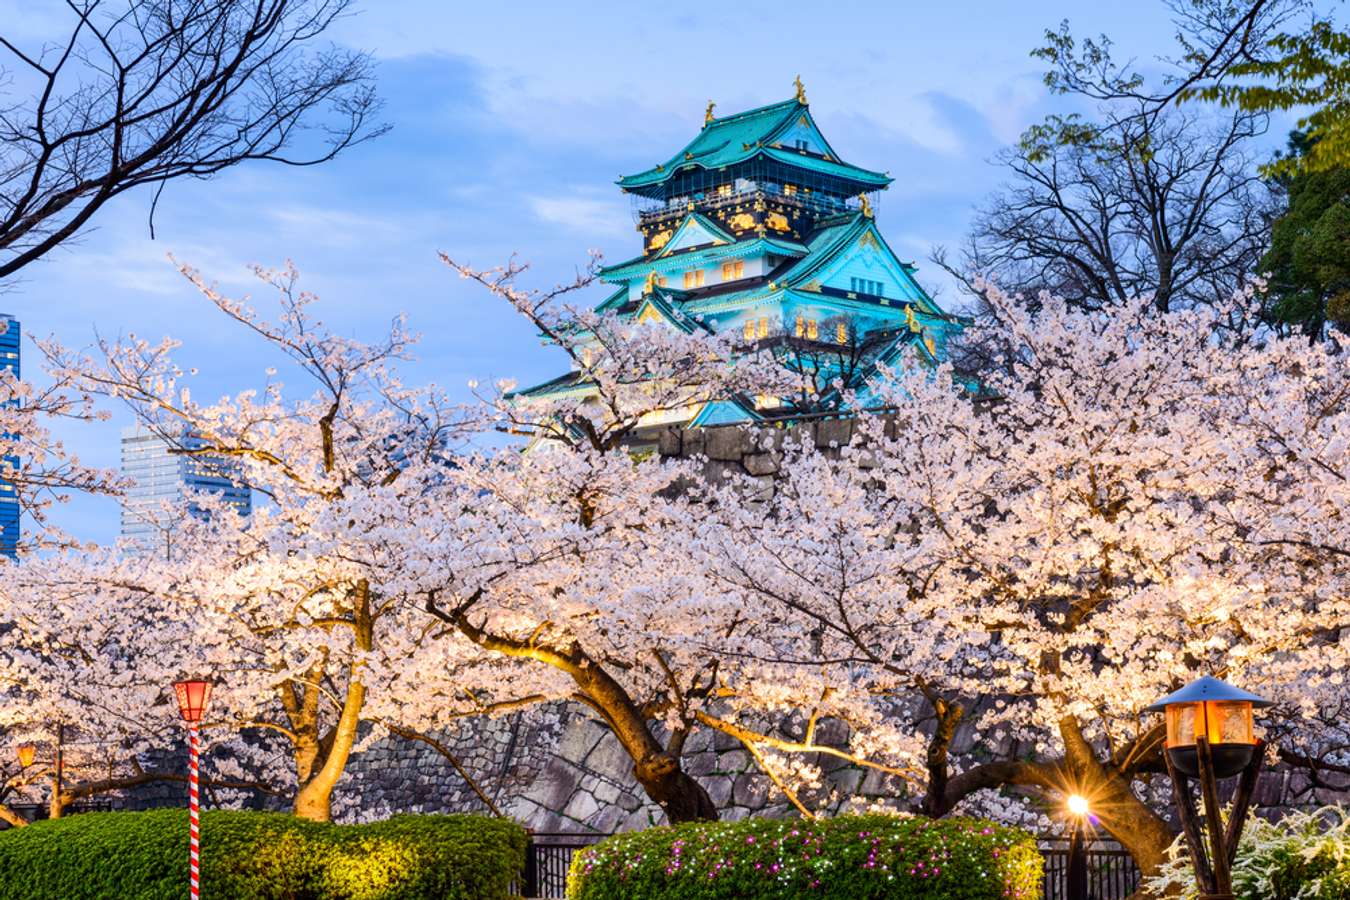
(164, 483)
(9, 499)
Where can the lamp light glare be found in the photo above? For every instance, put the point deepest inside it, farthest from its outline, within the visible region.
(1078, 804)
(26, 752)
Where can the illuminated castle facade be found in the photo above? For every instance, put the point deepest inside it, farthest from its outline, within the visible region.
(759, 227)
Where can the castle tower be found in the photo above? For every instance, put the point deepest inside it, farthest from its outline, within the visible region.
(757, 226)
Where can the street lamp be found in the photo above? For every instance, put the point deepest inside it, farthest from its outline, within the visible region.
(1076, 876)
(193, 695)
(27, 754)
(1209, 737)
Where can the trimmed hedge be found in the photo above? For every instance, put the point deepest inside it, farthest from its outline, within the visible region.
(847, 858)
(268, 856)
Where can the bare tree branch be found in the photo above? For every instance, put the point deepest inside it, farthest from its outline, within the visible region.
(149, 91)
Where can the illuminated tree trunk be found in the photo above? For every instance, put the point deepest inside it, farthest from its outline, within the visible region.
(314, 799)
(321, 760)
(656, 768)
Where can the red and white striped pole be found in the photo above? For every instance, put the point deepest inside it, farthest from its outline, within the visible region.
(192, 699)
(194, 811)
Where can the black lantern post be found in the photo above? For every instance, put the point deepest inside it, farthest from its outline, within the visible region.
(1210, 737)
(1076, 876)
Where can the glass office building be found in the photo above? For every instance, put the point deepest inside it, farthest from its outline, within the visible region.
(9, 499)
(163, 486)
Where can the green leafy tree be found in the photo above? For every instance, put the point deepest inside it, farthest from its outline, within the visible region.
(1309, 255)
(1259, 56)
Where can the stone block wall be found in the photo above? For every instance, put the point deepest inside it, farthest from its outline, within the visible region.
(582, 782)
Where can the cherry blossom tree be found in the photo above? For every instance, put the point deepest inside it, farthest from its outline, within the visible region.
(281, 606)
(1133, 505)
(86, 676)
(574, 558)
(986, 589)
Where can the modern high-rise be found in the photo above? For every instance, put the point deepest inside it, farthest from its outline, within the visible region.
(164, 484)
(9, 499)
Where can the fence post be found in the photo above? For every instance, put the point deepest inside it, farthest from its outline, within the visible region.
(530, 878)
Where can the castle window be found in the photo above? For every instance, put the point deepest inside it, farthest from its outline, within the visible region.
(800, 144)
(733, 270)
(789, 189)
(749, 329)
(812, 329)
(841, 333)
(693, 279)
(799, 329)
(763, 328)
(724, 190)
(661, 280)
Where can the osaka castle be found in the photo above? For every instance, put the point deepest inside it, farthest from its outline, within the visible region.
(758, 226)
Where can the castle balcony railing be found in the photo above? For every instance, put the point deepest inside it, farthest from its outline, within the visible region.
(650, 212)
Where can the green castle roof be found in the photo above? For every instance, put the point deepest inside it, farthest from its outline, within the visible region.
(743, 136)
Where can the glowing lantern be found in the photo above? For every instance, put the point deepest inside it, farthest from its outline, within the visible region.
(26, 752)
(1216, 712)
(192, 699)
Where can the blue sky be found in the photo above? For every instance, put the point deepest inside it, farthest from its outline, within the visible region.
(511, 122)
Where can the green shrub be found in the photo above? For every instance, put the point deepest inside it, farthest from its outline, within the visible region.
(848, 858)
(1304, 856)
(268, 856)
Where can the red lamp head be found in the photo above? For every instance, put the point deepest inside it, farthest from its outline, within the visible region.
(192, 698)
(26, 752)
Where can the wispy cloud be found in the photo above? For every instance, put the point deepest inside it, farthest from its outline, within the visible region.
(335, 226)
(606, 216)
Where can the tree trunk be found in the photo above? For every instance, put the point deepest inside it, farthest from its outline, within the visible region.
(58, 802)
(1143, 833)
(677, 793)
(12, 817)
(314, 799)
(656, 768)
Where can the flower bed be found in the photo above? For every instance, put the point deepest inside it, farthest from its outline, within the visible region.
(847, 858)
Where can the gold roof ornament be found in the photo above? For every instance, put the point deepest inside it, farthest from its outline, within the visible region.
(866, 205)
(801, 90)
(708, 114)
(912, 322)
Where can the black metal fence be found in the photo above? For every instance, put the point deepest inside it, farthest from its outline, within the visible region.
(1112, 874)
(547, 858)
